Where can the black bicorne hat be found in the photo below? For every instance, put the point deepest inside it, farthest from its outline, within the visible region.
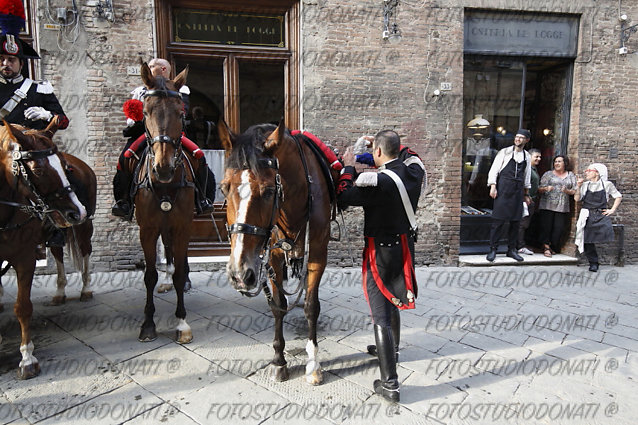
(12, 20)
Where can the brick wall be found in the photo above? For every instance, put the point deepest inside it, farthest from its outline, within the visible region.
(355, 83)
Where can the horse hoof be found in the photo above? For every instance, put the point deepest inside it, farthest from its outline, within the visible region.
(58, 300)
(29, 371)
(279, 373)
(315, 378)
(85, 296)
(187, 286)
(147, 335)
(164, 287)
(184, 337)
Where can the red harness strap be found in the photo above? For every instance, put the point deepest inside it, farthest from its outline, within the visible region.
(186, 142)
(327, 152)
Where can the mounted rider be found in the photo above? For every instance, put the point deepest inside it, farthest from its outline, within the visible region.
(135, 132)
(23, 101)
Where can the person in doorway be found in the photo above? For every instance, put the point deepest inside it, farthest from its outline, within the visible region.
(509, 181)
(556, 186)
(136, 141)
(532, 202)
(389, 198)
(594, 222)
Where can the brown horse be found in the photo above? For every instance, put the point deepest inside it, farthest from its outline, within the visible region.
(78, 236)
(278, 208)
(165, 194)
(32, 186)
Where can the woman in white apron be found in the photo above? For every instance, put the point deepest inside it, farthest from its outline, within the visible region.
(594, 223)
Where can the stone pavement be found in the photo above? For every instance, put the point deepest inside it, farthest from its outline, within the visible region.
(502, 345)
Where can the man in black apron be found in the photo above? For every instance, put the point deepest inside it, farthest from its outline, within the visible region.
(389, 199)
(509, 181)
(594, 224)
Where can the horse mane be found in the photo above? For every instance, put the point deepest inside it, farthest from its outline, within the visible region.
(160, 83)
(249, 147)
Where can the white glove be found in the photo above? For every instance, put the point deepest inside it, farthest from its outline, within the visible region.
(129, 122)
(361, 145)
(37, 113)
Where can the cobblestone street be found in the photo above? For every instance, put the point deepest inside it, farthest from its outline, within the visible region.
(501, 345)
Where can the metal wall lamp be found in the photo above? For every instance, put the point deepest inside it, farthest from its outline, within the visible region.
(391, 32)
(625, 33)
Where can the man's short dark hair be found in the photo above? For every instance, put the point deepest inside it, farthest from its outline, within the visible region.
(389, 142)
(532, 151)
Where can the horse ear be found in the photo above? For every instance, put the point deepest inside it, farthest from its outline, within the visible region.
(147, 75)
(226, 136)
(18, 135)
(180, 80)
(276, 136)
(51, 128)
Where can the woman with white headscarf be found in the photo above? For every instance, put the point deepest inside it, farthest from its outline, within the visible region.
(594, 224)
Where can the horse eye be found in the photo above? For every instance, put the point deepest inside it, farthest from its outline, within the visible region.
(268, 192)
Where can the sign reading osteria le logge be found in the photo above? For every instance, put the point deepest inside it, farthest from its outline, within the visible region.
(217, 27)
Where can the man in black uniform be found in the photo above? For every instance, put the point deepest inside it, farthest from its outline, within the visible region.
(390, 232)
(26, 102)
(509, 181)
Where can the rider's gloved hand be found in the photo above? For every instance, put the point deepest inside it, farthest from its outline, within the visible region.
(37, 113)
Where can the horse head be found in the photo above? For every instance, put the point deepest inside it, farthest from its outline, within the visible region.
(164, 114)
(253, 190)
(38, 171)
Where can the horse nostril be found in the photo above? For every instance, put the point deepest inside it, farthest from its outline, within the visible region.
(72, 216)
(249, 278)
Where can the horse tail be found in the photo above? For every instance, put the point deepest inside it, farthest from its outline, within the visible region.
(74, 249)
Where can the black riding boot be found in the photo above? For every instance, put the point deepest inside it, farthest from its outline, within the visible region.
(388, 385)
(121, 189)
(206, 180)
(395, 325)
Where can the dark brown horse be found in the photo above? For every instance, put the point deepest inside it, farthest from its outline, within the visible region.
(278, 209)
(32, 186)
(165, 194)
(78, 236)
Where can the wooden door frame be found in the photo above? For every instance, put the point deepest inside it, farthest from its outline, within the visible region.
(290, 56)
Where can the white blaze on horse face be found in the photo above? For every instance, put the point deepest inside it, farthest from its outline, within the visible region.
(245, 194)
(57, 165)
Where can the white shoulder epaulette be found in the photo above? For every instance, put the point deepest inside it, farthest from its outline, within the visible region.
(138, 93)
(44, 87)
(367, 179)
(414, 160)
(185, 90)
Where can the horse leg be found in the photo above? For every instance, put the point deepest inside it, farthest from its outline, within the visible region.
(23, 309)
(86, 293)
(187, 280)
(279, 306)
(148, 238)
(166, 283)
(311, 309)
(60, 296)
(84, 241)
(184, 332)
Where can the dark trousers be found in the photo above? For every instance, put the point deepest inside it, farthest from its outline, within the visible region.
(524, 225)
(552, 227)
(497, 231)
(591, 254)
(380, 307)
